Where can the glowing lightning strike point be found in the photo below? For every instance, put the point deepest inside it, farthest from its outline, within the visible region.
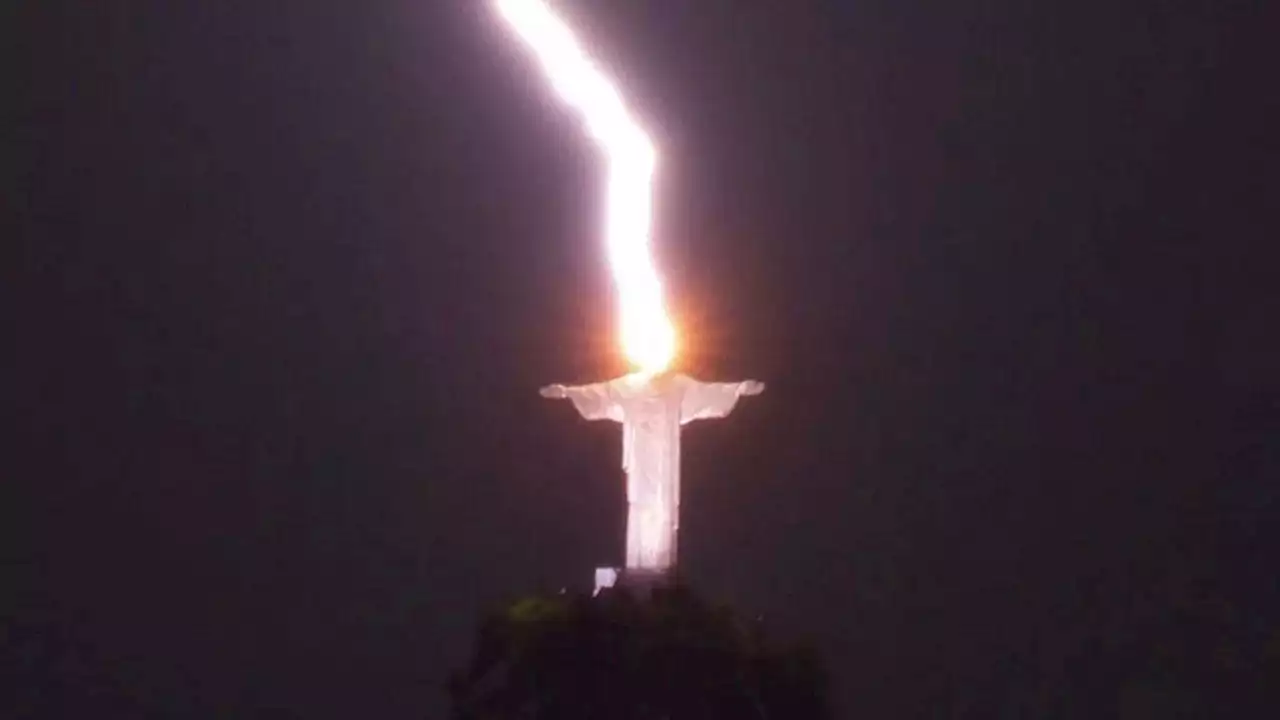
(648, 337)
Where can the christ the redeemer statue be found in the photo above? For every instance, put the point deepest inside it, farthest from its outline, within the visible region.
(651, 409)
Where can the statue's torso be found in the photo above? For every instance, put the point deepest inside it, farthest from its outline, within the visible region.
(651, 437)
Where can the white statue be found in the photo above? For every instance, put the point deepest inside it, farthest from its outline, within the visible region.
(651, 409)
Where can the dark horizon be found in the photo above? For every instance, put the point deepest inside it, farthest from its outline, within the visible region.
(291, 275)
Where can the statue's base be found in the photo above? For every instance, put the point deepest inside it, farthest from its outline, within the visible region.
(639, 582)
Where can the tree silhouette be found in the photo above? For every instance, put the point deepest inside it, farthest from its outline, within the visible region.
(670, 655)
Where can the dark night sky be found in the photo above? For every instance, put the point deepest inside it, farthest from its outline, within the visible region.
(290, 275)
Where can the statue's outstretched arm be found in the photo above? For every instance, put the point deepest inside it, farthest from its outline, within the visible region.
(594, 402)
(554, 392)
(704, 401)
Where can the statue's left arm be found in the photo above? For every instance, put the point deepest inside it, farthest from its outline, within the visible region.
(703, 401)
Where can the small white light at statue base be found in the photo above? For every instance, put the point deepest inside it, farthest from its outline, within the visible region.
(605, 578)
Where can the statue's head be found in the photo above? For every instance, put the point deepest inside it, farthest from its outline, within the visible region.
(663, 380)
(652, 383)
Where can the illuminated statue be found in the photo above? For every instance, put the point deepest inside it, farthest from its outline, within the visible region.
(651, 404)
(651, 409)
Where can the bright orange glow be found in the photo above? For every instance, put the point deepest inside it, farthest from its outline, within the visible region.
(647, 336)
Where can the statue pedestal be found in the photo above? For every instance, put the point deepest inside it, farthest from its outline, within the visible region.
(640, 583)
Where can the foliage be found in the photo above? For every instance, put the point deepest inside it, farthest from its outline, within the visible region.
(616, 655)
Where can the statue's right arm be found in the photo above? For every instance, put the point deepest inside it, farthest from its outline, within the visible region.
(554, 392)
(594, 401)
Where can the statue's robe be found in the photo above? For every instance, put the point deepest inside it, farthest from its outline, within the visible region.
(651, 411)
